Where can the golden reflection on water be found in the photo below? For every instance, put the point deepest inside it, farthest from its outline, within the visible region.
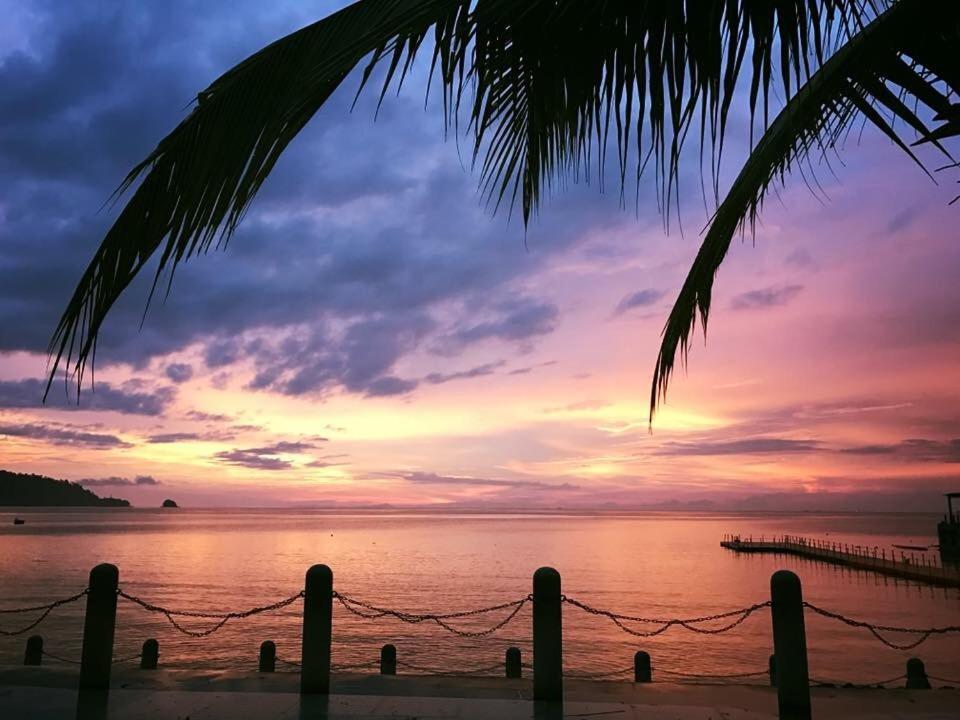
(649, 564)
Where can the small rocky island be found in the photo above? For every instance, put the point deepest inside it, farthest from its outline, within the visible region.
(28, 490)
(168, 503)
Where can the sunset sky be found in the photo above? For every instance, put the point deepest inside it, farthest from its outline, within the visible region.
(373, 334)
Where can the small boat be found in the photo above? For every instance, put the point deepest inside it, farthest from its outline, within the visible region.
(18, 521)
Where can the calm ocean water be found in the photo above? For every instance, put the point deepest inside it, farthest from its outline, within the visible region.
(649, 564)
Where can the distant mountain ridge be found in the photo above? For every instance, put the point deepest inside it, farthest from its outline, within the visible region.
(28, 490)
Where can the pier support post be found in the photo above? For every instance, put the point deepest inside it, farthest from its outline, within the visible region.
(99, 625)
(149, 654)
(641, 667)
(33, 655)
(917, 675)
(547, 636)
(790, 646)
(268, 657)
(772, 670)
(317, 631)
(388, 660)
(513, 664)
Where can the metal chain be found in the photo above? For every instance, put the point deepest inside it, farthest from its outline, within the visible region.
(356, 666)
(47, 609)
(434, 671)
(834, 683)
(223, 617)
(666, 624)
(58, 658)
(596, 675)
(291, 663)
(706, 676)
(875, 630)
(940, 679)
(352, 605)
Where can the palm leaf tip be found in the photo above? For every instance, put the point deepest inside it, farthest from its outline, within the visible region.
(868, 76)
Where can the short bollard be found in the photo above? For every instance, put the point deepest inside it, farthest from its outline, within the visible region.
(772, 670)
(547, 636)
(149, 654)
(388, 660)
(98, 628)
(33, 655)
(317, 631)
(513, 663)
(268, 656)
(917, 675)
(790, 646)
(642, 672)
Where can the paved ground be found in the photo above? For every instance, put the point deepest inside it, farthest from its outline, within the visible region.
(46, 693)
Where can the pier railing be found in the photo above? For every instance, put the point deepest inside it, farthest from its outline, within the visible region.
(917, 567)
(787, 668)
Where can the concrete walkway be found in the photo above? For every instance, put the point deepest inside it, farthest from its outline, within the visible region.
(44, 694)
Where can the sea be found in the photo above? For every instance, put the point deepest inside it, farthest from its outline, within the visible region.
(653, 565)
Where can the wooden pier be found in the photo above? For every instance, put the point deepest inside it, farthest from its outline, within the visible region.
(907, 566)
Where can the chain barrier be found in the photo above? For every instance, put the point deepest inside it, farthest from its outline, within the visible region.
(435, 671)
(127, 659)
(47, 609)
(943, 680)
(290, 663)
(665, 624)
(708, 676)
(355, 666)
(58, 658)
(223, 618)
(357, 607)
(875, 630)
(596, 675)
(836, 683)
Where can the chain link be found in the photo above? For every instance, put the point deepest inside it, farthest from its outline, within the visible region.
(836, 683)
(224, 618)
(940, 679)
(596, 675)
(875, 630)
(707, 676)
(666, 624)
(357, 607)
(47, 609)
(58, 658)
(434, 671)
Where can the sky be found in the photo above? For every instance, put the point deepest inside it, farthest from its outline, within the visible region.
(375, 335)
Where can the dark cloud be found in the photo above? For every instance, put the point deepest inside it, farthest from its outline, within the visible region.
(765, 297)
(103, 396)
(179, 372)
(207, 417)
(917, 449)
(800, 259)
(61, 435)
(641, 298)
(139, 480)
(425, 478)
(265, 458)
(474, 372)
(748, 446)
(517, 319)
(253, 461)
(175, 437)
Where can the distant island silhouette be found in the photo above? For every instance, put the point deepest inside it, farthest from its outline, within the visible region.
(168, 503)
(28, 490)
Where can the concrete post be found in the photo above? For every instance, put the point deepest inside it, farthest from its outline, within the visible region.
(513, 663)
(99, 625)
(149, 654)
(268, 657)
(790, 646)
(388, 660)
(547, 636)
(317, 631)
(917, 675)
(642, 672)
(772, 670)
(33, 655)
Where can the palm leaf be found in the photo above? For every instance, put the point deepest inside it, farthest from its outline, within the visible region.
(868, 76)
(544, 85)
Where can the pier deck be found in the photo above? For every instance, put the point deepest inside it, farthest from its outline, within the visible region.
(905, 568)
